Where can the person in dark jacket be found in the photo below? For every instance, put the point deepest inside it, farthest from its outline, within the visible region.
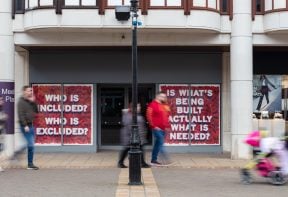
(27, 110)
(126, 133)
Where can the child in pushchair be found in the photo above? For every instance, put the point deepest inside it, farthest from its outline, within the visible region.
(262, 162)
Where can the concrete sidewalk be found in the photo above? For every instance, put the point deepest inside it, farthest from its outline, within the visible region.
(108, 159)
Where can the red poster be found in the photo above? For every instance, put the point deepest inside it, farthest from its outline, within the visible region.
(195, 114)
(65, 114)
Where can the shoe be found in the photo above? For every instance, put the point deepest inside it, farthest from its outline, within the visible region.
(121, 165)
(156, 163)
(145, 165)
(1, 169)
(32, 167)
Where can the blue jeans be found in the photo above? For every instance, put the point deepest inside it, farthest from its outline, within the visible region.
(159, 137)
(29, 136)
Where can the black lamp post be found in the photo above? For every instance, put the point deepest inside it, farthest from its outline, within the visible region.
(123, 13)
(135, 152)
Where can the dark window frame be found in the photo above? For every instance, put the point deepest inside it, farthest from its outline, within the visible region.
(22, 4)
(222, 11)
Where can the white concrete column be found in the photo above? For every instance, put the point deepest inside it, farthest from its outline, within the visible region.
(226, 113)
(7, 67)
(241, 77)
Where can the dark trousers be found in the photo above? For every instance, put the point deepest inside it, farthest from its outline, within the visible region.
(124, 154)
(261, 99)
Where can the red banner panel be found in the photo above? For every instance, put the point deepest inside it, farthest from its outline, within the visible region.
(195, 114)
(64, 111)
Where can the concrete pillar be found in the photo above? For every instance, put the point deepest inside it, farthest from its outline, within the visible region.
(7, 69)
(241, 77)
(21, 79)
(226, 117)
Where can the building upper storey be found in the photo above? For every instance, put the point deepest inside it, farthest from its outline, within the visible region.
(195, 15)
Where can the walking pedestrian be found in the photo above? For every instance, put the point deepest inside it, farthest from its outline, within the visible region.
(158, 112)
(126, 133)
(3, 120)
(27, 110)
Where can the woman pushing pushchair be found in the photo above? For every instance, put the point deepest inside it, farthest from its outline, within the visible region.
(268, 147)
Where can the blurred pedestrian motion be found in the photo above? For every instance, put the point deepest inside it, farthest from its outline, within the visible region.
(158, 112)
(3, 122)
(126, 135)
(27, 110)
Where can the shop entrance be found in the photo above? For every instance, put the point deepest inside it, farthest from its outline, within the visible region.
(114, 98)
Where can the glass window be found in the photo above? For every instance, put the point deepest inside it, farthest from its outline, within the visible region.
(78, 114)
(48, 121)
(174, 3)
(89, 2)
(268, 5)
(26, 4)
(199, 3)
(127, 2)
(162, 3)
(46, 3)
(279, 4)
(114, 2)
(33, 3)
(65, 114)
(157, 3)
(212, 4)
(72, 2)
(185, 101)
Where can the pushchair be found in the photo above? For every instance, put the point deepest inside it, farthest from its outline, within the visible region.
(262, 162)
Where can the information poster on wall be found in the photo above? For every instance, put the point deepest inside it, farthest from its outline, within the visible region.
(65, 114)
(267, 93)
(195, 114)
(7, 93)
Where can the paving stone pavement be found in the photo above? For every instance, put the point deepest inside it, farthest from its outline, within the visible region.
(108, 160)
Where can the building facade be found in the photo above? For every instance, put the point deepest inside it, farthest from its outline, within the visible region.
(206, 54)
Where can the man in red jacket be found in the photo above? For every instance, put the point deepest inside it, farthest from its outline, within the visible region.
(158, 117)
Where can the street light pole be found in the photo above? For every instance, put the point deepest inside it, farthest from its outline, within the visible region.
(135, 152)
